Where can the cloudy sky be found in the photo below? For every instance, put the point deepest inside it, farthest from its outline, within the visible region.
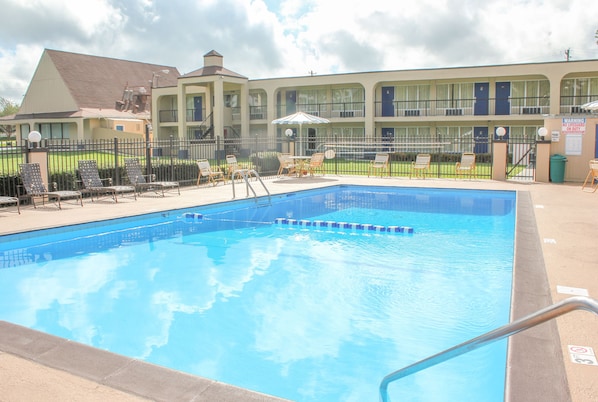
(279, 38)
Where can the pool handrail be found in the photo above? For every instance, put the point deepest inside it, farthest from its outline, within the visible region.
(522, 324)
(245, 173)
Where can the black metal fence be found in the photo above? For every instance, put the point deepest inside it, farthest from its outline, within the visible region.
(176, 159)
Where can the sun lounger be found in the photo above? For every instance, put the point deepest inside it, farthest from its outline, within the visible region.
(138, 179)
(90, 177)
(35, 188)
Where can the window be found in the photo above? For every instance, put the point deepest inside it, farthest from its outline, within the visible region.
(56, 131)
(455, 96)
(348, 102)
(577, 91)
(119, 127)
(312, 101)
(454, 139)
(414, 139)
(412, 97)
(534, 93)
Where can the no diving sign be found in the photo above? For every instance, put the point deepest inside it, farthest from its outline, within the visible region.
(582, 355)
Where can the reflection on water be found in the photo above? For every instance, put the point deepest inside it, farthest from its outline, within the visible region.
(304, 314)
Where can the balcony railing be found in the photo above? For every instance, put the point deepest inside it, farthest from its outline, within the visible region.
(512, 106)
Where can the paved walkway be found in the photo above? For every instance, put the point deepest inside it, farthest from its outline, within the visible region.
(567, 227)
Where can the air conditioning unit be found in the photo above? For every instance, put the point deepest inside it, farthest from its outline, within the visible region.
(531, 110)
(411, 112)
(576, 109)
(347, 113)
(454, 112)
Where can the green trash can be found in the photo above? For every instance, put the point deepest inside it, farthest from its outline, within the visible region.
(557, 168)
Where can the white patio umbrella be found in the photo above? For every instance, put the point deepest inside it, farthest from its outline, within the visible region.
(301, 118)
(592, 106)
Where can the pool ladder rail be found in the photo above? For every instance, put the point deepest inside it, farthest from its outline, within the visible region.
(522, 324)
(245, 173)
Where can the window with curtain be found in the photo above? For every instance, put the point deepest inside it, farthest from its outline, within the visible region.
(577, 91)
(455, 95)
(413, 139)
(412, 96)
(312, 101)
(455, 139)
(347, 99)
(530, 93)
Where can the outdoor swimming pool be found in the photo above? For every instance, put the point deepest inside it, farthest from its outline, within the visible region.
(302, 312)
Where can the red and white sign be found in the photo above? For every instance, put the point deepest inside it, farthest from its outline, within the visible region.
(572, 125)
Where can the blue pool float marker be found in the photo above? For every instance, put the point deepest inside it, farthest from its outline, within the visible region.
(366, 227)
(193, 216)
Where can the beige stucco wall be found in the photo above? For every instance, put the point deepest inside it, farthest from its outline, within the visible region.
(100, 133)
(576, 167)
(47, 80)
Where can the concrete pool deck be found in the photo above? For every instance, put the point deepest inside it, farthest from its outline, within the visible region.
(557, 232)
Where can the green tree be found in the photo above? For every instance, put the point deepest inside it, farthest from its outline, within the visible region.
(7, 107)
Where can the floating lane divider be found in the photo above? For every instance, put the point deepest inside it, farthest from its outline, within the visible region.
(193, 216)
(365, 227)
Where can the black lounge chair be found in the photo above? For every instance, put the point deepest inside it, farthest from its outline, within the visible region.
(92, 183)
(138, 179)
(31, 177)
(11, 200)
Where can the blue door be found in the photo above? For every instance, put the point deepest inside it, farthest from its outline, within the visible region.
(503, 104)
(388, 97)
(480, 139)
(388, 139)
(480, 107)
(197, 106)
(291, 101)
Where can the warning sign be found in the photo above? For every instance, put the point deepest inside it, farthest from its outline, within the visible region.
(572, 125)
(582, 355)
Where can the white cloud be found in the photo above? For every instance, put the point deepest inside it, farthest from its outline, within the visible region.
(265, 38)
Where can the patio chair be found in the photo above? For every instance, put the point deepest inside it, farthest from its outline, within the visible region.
(138, 179)
(11, 200)
(380, 163)
(591, 180)
(233, 165)
(466, 166)
(420, 167)
(212, 175)
(33, 183)
(316, 163)
(92, 183)
(286, 163)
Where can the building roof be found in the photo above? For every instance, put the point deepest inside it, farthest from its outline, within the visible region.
(99, 82)
(213, 66)
(213, 70)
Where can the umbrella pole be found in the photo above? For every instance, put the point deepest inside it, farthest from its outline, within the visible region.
(300, 141)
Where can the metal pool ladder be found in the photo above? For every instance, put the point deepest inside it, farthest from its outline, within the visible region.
(539, 317)
(245, 173)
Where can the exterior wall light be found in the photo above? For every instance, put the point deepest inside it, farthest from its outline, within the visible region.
(34, 138)
(500, 132)
(542, 131)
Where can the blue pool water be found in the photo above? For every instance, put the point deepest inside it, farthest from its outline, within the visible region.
(305, 313)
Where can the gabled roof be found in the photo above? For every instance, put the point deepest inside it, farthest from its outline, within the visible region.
(99, 82)
(213, 66)
(213, 70)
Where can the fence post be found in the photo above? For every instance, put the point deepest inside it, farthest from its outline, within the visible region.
(148, 150)
(499, 159)
(217, 150)
(542, 161)
(116, 169)
(171, 160)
